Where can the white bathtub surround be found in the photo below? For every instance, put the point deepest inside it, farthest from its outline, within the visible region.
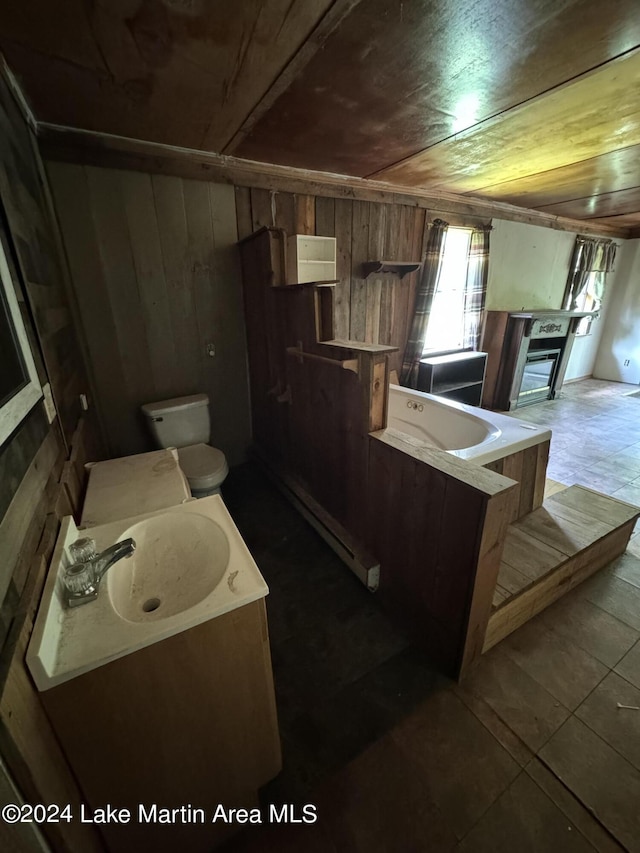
(468, 432)
(169, 564)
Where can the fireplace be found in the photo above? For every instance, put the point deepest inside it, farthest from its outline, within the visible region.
(528, 352)
(538, 376)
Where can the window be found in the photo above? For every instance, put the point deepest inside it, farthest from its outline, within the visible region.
(590, 300)
(19, 386)
(445, 330)
(591, 261)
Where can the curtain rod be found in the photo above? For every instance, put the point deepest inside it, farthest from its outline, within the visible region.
(580, 238)
(467, 228)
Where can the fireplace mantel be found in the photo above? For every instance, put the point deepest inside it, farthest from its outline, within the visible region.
(546, 312)
(510, 338)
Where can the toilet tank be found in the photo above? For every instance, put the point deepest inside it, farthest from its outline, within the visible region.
(180, 421)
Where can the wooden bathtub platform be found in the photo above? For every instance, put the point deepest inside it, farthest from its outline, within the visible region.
(573, 534)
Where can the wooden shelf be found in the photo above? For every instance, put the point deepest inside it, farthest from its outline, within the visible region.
(360, 346)
(446, 387)
(456, 375)
(398, 268)
(453, 357)
(310, 257)
(297, 284)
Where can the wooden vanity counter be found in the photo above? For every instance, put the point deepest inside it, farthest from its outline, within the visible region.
(190, 721)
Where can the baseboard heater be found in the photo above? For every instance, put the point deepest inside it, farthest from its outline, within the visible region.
(365, 567)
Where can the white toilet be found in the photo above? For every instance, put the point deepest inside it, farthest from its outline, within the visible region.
(184, 423)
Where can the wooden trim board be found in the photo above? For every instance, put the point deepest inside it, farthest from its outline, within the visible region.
(482, 479)
(495, 523)
(99, 149)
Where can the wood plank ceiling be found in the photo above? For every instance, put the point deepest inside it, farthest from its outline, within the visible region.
(533, 102)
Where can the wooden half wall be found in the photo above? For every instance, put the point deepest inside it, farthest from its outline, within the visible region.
(437, 525)
(433, 523)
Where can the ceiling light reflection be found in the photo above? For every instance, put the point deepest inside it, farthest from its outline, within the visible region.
(465, 112)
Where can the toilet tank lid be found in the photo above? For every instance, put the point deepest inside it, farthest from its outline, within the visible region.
(164, 407)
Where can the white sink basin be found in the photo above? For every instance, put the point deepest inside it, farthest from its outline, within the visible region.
(190, 565)
(179, 560)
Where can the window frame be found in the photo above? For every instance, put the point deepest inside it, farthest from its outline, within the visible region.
(18, 406)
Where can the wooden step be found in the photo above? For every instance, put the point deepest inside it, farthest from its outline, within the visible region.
(546, 553)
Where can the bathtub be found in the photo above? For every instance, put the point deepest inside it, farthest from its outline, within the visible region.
(468, 432)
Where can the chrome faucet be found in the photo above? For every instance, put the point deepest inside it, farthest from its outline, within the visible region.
(82, 579)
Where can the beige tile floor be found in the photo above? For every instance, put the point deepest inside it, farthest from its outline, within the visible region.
(595, 441)
(596, 436)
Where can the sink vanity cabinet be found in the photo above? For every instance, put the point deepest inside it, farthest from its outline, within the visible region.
(189, 721)
(160, 690)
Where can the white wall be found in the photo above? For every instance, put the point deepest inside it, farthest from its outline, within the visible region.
(621, 333)
(528, 266)
(528, 269)
(585, 348)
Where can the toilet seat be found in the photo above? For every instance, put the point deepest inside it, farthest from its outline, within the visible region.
(204, 467)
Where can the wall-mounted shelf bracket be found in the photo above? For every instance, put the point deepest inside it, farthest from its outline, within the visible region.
(397, 268)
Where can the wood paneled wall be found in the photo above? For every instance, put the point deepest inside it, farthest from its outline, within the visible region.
(156, 276)
(28, 236)
(31, 461)
(28, 745)
(376, 310)
(310, 416)
(34, 240)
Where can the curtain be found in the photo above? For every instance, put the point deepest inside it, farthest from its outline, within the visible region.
(588, 256)
(431, 267)
(476, 286)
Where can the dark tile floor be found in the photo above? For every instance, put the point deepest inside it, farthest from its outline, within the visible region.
(530, 753)
(344, 673)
